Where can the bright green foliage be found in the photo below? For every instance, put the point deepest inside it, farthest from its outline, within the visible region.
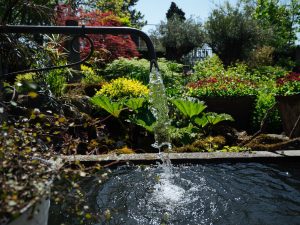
(188, 108)
(123, 88)
(282, 20)
(139, 69)
(90, 76)
(123, 9)
(24, 77)
(268, 73)
(212, 119)
(56, 81)
(211, 66)
(195, 123)
(113, 108)
(145, 119)
(265, 100)
(135, 103)
(183, 135)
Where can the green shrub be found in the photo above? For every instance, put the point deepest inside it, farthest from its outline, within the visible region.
(139, 69)
(24, 78)
(123, 88)
(261, 56)
(90, 76)
(211, 66)
(268, 73)
(56, 81)
(264, 101)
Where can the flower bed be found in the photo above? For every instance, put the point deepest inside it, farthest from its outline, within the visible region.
(222, 86)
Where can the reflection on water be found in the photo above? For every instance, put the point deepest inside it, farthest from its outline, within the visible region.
(242, 193)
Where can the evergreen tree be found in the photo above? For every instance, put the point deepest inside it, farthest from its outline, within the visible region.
(174, 10)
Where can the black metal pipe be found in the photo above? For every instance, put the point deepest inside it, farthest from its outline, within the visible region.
(78, 30)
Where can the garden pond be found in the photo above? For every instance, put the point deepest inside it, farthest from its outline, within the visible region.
(209, 193)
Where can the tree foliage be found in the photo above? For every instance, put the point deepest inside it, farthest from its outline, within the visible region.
(123, 9)
(232, 33)
(174, 10)
(282, 20)
(179, 37)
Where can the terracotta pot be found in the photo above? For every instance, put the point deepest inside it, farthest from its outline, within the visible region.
(239, 107)
(289, 108)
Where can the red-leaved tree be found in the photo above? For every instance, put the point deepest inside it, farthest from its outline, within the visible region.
(107, 47)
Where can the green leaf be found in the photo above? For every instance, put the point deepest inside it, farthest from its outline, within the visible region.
(189, 108)
(114, 108)
(202, 122)
(135, 103)
(213, 119)
(145, 120)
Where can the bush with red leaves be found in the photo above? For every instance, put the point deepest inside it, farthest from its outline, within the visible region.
(107, 47)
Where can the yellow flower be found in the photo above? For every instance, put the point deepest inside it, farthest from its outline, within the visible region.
(123, 87)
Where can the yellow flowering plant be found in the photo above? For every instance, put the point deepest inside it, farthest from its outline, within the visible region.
(123, 88)
(90, 76)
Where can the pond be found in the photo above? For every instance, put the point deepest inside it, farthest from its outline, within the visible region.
(227, 193)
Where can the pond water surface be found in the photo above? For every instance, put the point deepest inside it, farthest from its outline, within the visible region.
(228, 193)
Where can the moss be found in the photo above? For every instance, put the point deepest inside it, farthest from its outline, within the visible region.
(124, 150)
(207, 144)
(266, 142)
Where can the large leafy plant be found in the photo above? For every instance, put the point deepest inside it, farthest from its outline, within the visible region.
(113, 108)
(195, 121)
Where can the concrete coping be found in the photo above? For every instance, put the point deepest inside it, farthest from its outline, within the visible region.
(188, 157)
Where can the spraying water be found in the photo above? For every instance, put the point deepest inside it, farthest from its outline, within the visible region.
(165, 191)
(159, 108)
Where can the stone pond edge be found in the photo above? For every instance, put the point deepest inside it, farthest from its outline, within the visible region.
(187, 157)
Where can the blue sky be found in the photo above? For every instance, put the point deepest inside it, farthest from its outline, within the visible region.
(155, 10)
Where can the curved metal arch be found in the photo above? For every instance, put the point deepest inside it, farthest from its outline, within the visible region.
(79, 31)
(63, 66)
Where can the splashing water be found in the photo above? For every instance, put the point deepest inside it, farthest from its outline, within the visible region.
(165, 191)
(159, 108)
